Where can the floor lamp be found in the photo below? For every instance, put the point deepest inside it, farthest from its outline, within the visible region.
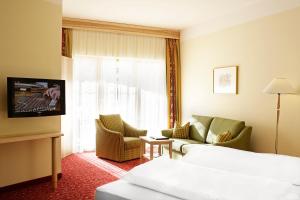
(279, 86)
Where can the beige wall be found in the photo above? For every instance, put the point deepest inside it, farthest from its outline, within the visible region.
(263, 49)
(30, 39)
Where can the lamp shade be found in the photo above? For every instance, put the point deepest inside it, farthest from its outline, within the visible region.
(280, 86)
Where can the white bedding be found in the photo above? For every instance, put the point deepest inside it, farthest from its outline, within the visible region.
(210, 173)
(279, 167)
(122, 190)
(190, 181)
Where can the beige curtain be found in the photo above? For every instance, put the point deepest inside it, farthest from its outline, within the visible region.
(66, 44)
(173, 70)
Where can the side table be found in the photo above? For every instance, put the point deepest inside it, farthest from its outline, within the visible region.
(152, 142)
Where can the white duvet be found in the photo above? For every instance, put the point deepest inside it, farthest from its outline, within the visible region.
(192, 181)
(279, 167)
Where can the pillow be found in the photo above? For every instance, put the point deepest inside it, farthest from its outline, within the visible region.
(113, 122)
(279, 167)
(224, 137)
(181, 132)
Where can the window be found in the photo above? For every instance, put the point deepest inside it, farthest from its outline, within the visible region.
(132, 87)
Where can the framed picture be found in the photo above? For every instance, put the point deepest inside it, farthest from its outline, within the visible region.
(225, 80)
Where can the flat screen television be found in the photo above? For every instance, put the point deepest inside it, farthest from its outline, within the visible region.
(31, 97)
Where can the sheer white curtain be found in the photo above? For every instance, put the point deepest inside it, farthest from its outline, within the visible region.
(66, 120)
(117, 45)
(116, 73)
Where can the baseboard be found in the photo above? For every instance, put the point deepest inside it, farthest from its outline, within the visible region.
(28, 183)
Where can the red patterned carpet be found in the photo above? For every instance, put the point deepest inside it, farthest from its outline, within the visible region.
(82, 174)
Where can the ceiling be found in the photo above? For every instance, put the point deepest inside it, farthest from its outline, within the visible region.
(188, 15)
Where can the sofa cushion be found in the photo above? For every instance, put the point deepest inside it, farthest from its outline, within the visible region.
(181, 132)
(132, 142)
(113, 122)
(199, 127)
(220, 125)
(178, 143)
(224, 137)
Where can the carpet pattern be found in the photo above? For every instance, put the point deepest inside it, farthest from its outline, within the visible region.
(82, 174)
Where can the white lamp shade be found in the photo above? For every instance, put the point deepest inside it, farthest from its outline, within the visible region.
(280, 86)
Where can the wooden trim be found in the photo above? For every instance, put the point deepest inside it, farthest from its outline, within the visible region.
(75, 23)
(26, 137)
(28, 183)
(54, 162)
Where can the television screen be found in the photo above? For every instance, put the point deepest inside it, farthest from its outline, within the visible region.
(29, 97)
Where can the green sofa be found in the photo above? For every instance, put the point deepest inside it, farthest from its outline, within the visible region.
(205, 129)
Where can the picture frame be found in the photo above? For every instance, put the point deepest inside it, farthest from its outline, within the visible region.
(225, 80)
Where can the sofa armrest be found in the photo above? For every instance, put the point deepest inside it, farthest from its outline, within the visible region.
(242, 141)
(133, 132)
(167, 133)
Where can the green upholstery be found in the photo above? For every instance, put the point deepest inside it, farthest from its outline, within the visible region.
(131, 142)
(220, 125)
(113, 122)
(130, 131)
(204, 128)
(167, 133)
(115, 145)
(242, 141)
(199, 127)
(178, 143)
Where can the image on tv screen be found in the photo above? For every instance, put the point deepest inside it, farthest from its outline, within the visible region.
(36, 97)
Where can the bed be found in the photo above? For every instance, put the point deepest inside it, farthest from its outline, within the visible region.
(210, 173)
(122, 190)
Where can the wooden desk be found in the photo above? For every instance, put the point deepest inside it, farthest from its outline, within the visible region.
(153, 142)
(54, 136)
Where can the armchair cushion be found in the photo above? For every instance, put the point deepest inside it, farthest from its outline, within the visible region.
(132, 142)
(113, 122)
(220, 125)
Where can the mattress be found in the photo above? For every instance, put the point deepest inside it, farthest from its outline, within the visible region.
(122, 190)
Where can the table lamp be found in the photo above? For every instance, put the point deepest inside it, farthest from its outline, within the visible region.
(279, 86)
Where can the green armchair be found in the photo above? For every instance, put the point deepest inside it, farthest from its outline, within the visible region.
(116, 140)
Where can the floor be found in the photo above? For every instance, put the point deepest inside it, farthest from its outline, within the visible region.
(82, 174)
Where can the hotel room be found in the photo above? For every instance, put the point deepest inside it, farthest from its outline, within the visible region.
(145, 100)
